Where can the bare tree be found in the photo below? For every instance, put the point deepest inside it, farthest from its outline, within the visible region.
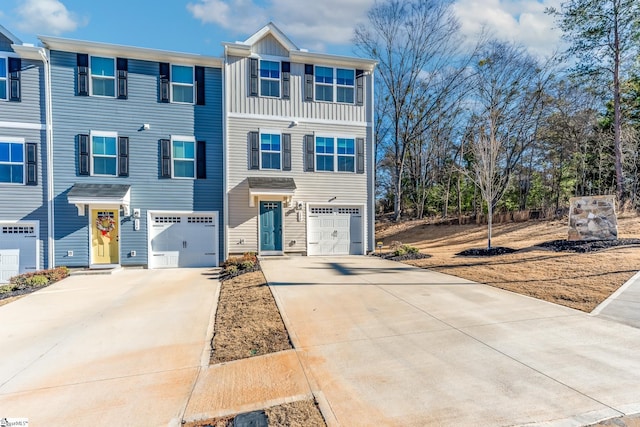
(413, 41)
(508, 104)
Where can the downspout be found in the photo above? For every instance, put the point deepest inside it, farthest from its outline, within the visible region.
(225, 151)
(51, 261)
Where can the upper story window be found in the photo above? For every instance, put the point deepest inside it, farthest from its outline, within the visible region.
(12, 162)
(346, 155)
(325, 150)
(269, 78)
(324, 84)
(183, 157)
(333, 153)
(104, 153)
(3, 78)
(270, 151)
(334, 84)
(182, 79)
(103, 76)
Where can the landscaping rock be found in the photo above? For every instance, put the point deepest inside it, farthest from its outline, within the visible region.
(593, 218)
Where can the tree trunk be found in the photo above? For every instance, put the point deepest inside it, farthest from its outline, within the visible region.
(489, 224)
(617, 119)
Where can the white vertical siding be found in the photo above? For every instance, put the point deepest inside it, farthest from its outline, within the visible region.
(269, 46)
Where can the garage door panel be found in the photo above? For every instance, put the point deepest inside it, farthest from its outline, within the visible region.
(9, 264)
(18, 249)
(335, 231)
(183, 240)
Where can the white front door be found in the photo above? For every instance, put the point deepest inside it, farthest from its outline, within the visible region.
(183, 239)
(334, 230)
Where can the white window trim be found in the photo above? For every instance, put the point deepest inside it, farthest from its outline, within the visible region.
(345, 86)
(91, 155)
(269, 132)
(335, 153)
(6, 56)
(193, 84)
(13, 140)
(183, 138)
(334, 85)
(91, 77)
(279, 79)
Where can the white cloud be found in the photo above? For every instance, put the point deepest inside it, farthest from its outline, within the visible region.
(46, 16)
(310, 25)
(519, 21)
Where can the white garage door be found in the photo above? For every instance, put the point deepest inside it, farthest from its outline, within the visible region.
(18, 249)
(334, 230)
(183, 240)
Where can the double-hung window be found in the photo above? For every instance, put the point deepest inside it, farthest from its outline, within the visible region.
(324, 84)
(3, 78)
(269, 78)
(345, 85)
(104, 153)
(270, 151)
(103, 76)
(11, 161)
(183, 157)
(325, 150)
(335, 154)
(182, 78)
(335, 84)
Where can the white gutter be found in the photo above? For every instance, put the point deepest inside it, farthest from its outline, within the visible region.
(225, 154)
(372, 168)
(51, 260)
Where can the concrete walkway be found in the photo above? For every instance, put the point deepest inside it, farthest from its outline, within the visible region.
(623, 305)
(107, 350)
(385, 344)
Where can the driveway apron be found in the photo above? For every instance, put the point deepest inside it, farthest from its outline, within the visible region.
(383, 343)
(122, 349)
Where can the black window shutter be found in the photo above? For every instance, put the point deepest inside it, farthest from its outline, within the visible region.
(83, 154)
(253, 77)
(201, 159)
(286, 80)
(122, 64)
(254, 150)
(359, 155)
(165, 78)
(123, 156)
(308, 82)
(165, 158)
(309, 153)
(359, 87)
(83, 74)
(15, 65)
(199, 85)
(286, 152)
(32, 163)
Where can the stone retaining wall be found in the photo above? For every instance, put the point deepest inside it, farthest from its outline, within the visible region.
(593, 218)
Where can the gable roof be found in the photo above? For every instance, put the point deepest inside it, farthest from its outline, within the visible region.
(244, 49)
(13, 39)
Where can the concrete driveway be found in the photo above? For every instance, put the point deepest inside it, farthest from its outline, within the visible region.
(118, 350)
(386, 344)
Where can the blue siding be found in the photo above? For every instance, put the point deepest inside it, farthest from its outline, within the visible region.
(73, 115)
(26, 118)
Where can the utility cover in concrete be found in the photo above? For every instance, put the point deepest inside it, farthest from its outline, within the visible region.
(251, 419)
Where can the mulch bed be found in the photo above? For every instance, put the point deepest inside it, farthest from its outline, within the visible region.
(405, 257)
(581, 246)
(497, 250)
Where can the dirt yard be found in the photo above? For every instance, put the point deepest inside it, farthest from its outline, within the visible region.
(577, 280)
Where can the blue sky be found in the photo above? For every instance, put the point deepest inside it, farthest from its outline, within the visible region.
(199, 26)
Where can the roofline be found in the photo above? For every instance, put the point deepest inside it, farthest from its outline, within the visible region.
(81, 46)
(8, 34)
(28, 52)
(272, 29)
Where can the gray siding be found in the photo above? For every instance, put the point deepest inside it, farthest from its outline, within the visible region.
(24, 120)
(312, 187)
(5, 44)
(76, 114)
(240, 102)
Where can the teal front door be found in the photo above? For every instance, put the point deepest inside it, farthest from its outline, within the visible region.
(270, 226)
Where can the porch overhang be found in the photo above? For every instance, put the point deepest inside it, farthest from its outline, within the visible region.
(260, 187)
(82, 194)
